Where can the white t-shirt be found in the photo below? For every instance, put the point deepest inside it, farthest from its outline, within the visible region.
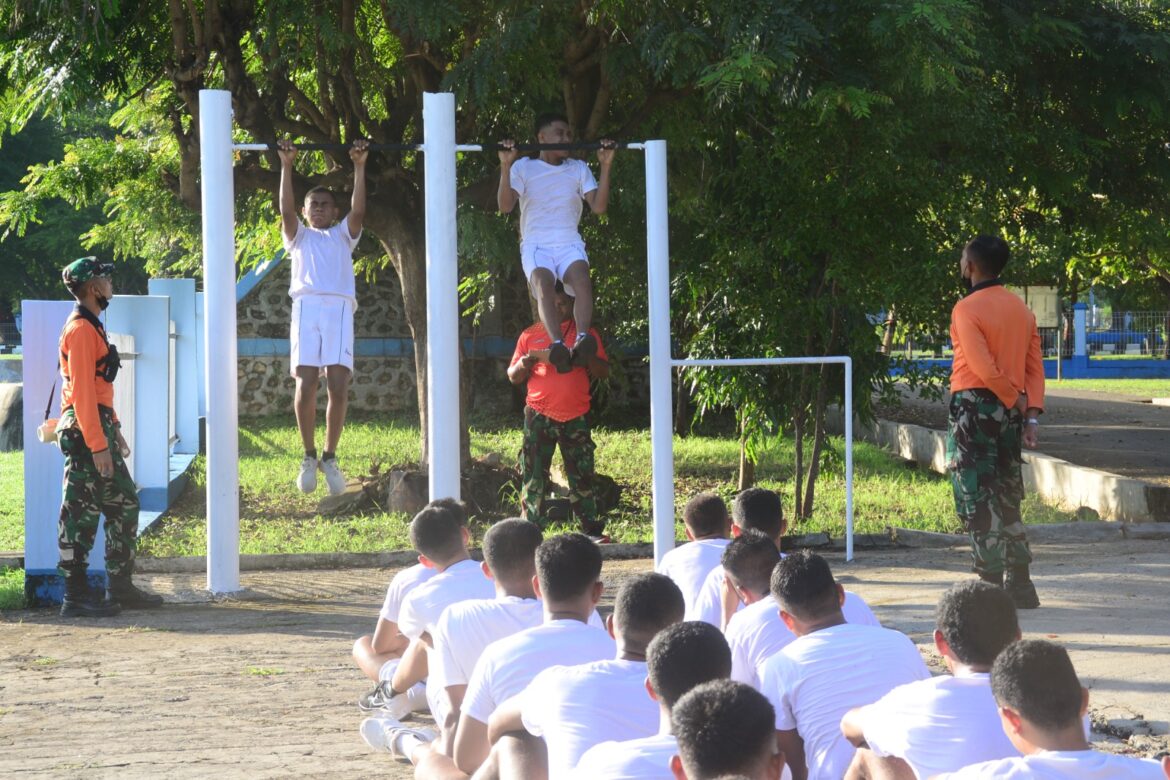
(423, 606)
(938, 725)
(631, 759)
(322, 261)
(756, 633)
(550, 199)
(819, 677)
(403, 582)
(466, 629)
(577, 707)
(508, 665)
(689, 564)
(1063, 765)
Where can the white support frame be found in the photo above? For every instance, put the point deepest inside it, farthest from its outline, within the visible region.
(443, 415)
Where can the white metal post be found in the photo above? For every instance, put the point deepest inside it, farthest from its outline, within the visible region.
(219, 278)
(442, 296)
(661, 411)
(848, 459)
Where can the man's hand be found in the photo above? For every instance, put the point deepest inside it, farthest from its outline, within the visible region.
(123, 447)
(1031, 432)
(359, 152)
(605, 153)
(508, 153)
(287, 152)
(104, 462)
(528, 361)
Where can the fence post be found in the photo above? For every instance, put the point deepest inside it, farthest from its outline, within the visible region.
(1080, 334)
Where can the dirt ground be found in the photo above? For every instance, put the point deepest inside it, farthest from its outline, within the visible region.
(1121, 434)
(262, 685)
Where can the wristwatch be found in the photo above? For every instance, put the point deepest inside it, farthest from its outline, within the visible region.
(1033, 421)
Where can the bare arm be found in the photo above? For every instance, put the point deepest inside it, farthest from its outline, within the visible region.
(357, 208)
(598, 368)
(519, 371)
(793, 747)
(851, 727)
(506, 197)
(505, 719)
(412, 668)
(471, 744)
(289, 221)
(388, 639)
(598, 199)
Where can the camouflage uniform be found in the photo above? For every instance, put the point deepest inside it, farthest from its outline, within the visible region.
(541, 436)
(983, 456)
(87, 495)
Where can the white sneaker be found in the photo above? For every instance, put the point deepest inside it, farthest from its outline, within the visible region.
(388, 734)
(333, 476)
(307, 479)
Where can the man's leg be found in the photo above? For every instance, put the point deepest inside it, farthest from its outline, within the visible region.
(974, 426)
(577, 450)
(536, 452)
(518, 754)
(305, 405)
(337, 380)
(542, 283)
(1009, 495)
(576, 277)
(77, 529)
(119, 499)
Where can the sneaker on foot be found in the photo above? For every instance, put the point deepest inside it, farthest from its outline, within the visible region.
(387, 734)
(307, 479)
(377, 699)
(561, 358)
(333, 476)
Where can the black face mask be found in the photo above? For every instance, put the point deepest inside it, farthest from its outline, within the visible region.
(103, 302)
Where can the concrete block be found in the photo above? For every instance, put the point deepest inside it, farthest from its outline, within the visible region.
(915, 538)
(1153, 531)
(1056, 533)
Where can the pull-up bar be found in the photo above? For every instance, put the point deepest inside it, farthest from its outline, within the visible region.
(323, 147)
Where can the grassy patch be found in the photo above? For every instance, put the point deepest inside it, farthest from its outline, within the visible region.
(11, 588)
(11, 500)
(262, 671)
(45, 661)
(1142, 388)
(275, 518)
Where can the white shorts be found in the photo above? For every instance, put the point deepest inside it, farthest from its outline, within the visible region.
(555, 257)
(322, 332)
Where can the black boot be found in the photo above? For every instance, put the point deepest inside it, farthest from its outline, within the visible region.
(1019, 586)
(80, 601)
(124, 591)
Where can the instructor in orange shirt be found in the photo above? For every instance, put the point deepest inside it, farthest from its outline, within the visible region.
(997, 396)
(555, 413)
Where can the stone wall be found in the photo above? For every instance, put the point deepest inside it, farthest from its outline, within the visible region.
(387, 383)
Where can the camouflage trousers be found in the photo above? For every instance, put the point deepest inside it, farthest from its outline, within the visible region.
(87, 496)
(983, 456)
(541, 437)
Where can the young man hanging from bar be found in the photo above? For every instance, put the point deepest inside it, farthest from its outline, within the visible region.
(549, 189)
(323, 302)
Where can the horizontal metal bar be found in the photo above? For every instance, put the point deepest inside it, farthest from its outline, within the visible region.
(733, 362)
(567, 147)
(315, 147)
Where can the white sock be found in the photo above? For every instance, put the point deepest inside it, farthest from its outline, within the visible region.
(417, 696)
(386, 673)
(406, 743)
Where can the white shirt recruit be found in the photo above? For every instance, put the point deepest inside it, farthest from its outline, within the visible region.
(550, 199)
(322, 261)
(819, 677)
(756, 633)
(1062, 765)
(508, 665)
(689, 564)
(402, 583)
(577, 707)
(938, 725)
(423, 606)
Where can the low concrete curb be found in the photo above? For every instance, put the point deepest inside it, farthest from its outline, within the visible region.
(1065, 484)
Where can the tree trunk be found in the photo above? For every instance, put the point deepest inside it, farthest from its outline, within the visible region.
(798, 465)
(814, 461)
(888, 336)
(747, 468)
(682, 407)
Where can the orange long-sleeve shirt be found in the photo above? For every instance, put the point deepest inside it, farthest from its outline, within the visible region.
(997, 346)
(81, 347)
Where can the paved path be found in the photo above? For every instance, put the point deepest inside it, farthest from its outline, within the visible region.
(1107, 431)
(262, 685)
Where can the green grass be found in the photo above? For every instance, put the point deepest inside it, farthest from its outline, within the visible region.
(11, 501)
(275, 518)
(1143, 388)
(11, 588)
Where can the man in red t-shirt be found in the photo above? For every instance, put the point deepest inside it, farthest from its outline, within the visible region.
(555, 413)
